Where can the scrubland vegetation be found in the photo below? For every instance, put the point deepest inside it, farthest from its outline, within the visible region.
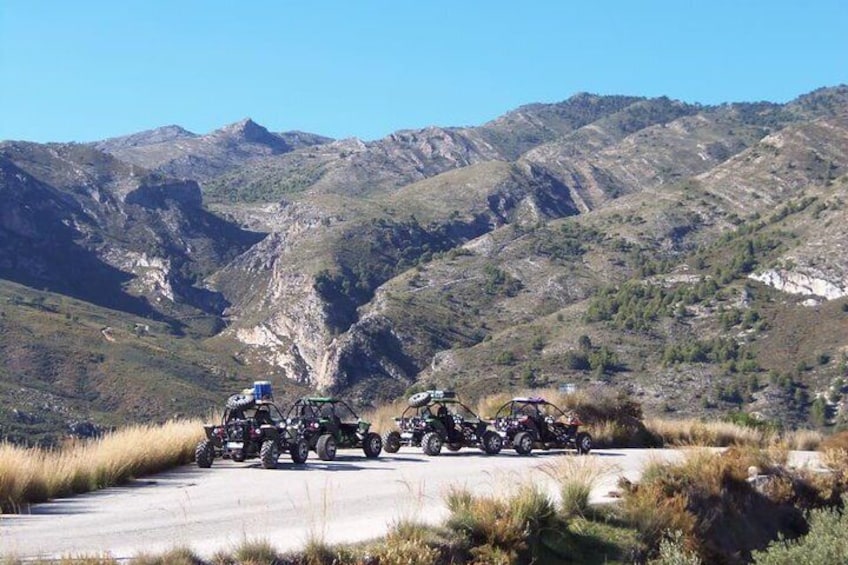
(739, 505)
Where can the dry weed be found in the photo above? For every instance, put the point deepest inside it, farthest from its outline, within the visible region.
(803, 440)
(691, 432)
(835, 441)
(576, 477)
(383, 417)
(33, 475)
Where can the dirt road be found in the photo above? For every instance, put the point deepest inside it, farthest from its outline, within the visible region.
(349, 499)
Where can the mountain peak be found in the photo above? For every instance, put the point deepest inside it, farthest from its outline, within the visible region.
(149, 137)
(245, 129)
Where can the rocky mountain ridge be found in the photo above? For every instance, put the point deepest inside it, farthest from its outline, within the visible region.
(177, 152)
(465, 257)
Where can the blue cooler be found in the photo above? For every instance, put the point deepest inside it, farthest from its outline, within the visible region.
(262, 390)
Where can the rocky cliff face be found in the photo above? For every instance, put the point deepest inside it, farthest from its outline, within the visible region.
(815, 286)
(92, 224)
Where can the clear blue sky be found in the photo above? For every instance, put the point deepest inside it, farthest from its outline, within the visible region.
(85, 70)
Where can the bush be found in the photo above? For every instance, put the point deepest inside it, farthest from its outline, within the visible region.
(825, 544)
(501, 530)
(673, 551)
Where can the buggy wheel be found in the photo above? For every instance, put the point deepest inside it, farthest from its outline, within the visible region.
(419, 399)
(270, 454)
(431, 443)
(453, 446)
(299, 451)
(238, 455)
(523, 443)
(584, 443)
(391, 442)
(492, 442)
(326, 447)
(204, 454)
(373, 445)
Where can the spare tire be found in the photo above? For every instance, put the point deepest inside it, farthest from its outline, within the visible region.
(241, 401)
(419, 399)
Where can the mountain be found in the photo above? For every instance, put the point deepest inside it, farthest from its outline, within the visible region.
(687, 255)
(176, 152)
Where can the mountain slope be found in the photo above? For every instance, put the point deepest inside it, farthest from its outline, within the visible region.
(688, 255)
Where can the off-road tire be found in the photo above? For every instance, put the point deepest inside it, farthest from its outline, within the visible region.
(269, 454)
(583, 441)
(326, 447)
(491, 443)
(391, 442)
(453, 446)
(204, 454)
(523, 443)
(372, 445)
(431, 443)
(238, 456)
(299, 451)
(419, 399)
(240, 401)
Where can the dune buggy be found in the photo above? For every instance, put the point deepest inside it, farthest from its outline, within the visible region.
(329, 424)
(435, 418)
(525, 423)
(249, 429)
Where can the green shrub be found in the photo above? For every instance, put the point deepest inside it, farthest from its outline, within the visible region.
(673, 551)
(825, 544)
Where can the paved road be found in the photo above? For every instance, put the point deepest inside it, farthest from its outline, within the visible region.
(349, 499)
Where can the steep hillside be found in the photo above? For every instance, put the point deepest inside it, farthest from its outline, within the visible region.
(85, 224)
(687, 255)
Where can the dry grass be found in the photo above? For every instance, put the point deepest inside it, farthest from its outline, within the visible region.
(501, 530)
(691, 432)
(803, 440)
(835, 459)
(29, 475)
(409, 542)
(383, 417)
(576, 477)
(701, 497)
(176, 556)
(255, 552)
(608, 433)
(835, 441)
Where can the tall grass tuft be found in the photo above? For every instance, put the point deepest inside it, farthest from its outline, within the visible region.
(501, 530)
(409, 542)
(256, 552)
(576, 477)
(29, 475)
